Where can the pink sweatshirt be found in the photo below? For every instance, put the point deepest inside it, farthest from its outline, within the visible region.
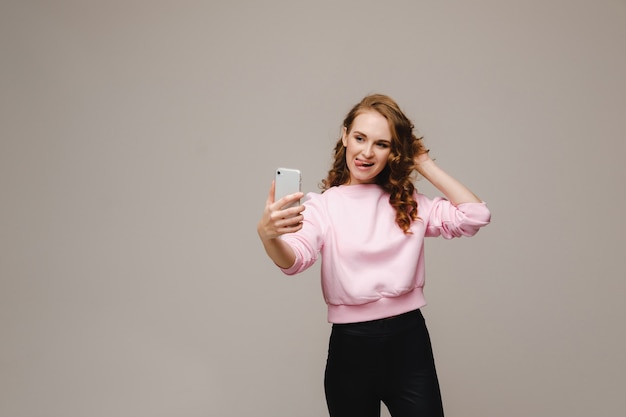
(370, 268)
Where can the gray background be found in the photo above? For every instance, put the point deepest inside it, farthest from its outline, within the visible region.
(138, 142)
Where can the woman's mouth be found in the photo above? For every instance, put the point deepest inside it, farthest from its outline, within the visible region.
(363, 164)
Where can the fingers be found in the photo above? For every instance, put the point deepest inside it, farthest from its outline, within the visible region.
(281, 216)
(276, 223)
(270, 197)
(288, 222)
(286, 214)
(421, 158)
(288, 201)
(419, 147)
(291, 229)
(284, 221)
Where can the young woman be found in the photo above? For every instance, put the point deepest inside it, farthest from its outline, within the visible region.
(369, 225)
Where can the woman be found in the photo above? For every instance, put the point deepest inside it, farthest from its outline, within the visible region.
(369, 225)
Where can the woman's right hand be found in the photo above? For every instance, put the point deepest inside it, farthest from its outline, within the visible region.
(277, 221)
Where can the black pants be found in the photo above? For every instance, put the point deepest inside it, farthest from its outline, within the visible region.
(388, 360)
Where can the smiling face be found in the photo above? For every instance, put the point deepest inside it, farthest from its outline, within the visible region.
(368, 145)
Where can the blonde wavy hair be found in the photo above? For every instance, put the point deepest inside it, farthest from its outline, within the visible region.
(398, 175)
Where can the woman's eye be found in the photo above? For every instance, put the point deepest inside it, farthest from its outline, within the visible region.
(358, 138)
(383, 145)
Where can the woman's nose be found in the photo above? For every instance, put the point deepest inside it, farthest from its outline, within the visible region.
(368, 151)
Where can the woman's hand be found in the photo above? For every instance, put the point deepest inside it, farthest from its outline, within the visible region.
(420, 158)
(421, 154)
(277, 220)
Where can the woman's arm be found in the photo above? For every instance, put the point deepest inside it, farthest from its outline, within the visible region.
(451, 188)
(276, 222)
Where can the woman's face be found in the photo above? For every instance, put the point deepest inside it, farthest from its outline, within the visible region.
(368, 144)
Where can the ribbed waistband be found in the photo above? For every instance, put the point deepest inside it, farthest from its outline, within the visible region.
(384, 307)
(381, 327)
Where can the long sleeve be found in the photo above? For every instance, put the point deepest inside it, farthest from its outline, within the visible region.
(449, 221)
(308, 242)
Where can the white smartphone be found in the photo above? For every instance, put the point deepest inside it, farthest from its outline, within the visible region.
(288, 181)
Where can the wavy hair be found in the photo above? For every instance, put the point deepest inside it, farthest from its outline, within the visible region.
(397, 177)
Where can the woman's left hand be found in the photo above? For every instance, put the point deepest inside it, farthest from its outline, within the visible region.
(420, 152)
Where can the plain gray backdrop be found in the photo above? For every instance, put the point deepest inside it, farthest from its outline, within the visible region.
(138, 143)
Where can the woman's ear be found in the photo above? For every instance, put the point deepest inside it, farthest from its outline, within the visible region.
(344, 136)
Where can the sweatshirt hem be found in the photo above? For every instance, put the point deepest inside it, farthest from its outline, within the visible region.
(382, 308)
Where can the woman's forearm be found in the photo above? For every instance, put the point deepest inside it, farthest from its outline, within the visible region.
(280, 252)
(452, 189)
